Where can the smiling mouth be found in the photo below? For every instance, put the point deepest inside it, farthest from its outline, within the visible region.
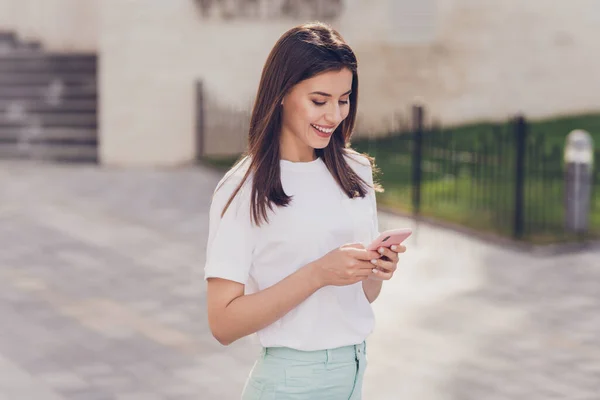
(323, 132)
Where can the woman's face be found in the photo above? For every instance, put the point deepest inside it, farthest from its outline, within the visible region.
(312, 110)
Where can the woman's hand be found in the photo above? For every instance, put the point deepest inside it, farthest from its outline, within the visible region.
(386, 264)
(346, 265)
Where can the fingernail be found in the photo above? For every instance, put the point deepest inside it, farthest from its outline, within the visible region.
(374, 270)
(380, 250)
(394, 247)
(374, 261)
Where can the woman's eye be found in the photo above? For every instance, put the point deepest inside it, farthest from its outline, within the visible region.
(323, 103)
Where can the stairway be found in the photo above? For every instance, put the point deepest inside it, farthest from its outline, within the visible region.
(48, 103)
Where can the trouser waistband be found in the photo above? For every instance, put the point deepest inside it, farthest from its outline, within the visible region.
(339, 354)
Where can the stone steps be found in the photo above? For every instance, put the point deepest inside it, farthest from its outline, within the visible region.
(52, 120)
(46, 92)
(73, 79)
(28, 61)
(49, 135)
(48, 103)
(39, 106)
(52, 58)
(45, 152)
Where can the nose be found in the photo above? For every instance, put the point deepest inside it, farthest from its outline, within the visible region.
(334, 115)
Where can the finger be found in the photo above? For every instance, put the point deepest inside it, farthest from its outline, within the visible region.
(398, 248)
(391, 255)
(381, 275)
(364, 255)
(366, 266)
(354, 245)
(361, 276)
(365, 274)
(386, 265)
(375, 277)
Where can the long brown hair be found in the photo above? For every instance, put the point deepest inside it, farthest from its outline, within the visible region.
(299, 54)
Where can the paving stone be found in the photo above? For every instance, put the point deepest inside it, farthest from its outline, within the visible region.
(95, 369)
(102, 297)
(91, 394)
(114, 383)
(140, 396)
(64, 380)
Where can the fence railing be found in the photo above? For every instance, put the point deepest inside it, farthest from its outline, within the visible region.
(506, 178)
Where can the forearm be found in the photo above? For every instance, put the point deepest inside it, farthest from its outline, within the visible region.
(250, 313)
(372, 288)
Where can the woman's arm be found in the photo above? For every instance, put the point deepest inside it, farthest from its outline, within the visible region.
(233, 315)
(372, 288)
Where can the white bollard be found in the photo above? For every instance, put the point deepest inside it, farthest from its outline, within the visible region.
(579, 160)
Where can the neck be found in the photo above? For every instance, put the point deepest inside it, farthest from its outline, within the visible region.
(298, 158)
(291, 149)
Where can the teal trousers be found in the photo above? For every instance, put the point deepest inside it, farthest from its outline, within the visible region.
(282, 373)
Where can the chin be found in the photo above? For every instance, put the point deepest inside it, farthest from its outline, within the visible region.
(320, 144)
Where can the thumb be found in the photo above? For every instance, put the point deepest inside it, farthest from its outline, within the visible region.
(354, 246)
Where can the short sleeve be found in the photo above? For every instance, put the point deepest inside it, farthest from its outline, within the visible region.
(230, 238)
(371, 195)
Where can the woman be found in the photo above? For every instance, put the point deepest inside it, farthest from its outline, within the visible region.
(289, 222)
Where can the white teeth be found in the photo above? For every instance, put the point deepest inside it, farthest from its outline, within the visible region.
(322, 129)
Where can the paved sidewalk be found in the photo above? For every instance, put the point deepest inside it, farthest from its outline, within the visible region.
(101, 297)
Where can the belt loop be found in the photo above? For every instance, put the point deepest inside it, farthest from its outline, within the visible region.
(328, 356)
(264, 353)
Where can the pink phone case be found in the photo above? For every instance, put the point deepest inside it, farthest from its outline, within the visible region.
(390, 238)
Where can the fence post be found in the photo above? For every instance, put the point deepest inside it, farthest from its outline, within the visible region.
(520, 130)
(417, 157)
(199, 120)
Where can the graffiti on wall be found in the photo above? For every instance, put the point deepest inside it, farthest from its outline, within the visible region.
(270, 9)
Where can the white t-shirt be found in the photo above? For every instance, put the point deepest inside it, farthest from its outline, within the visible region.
(319, 219)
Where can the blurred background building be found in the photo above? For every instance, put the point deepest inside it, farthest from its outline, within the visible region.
(467, 60)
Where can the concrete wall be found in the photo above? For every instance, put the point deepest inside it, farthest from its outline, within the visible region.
(487, 60)
(61, 25)
(152, 53)
(494, 59)
(465, 59)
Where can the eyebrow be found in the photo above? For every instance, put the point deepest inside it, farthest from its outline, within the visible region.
(328, 95)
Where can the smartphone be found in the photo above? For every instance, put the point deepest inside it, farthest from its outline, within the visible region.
(390, 238)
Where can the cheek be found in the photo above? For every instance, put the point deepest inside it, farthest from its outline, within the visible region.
(311, 113)
(345, 112)
(301, 113)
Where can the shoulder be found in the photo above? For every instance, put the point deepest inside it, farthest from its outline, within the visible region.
(360, 163)
(231, 180)
(357, 159)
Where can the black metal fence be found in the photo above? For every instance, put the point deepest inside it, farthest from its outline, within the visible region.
(506, 178)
